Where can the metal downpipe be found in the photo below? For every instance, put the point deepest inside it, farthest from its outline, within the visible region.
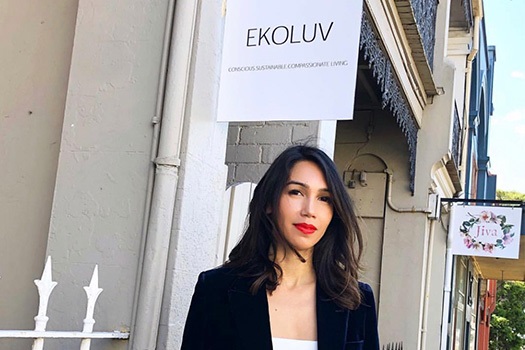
(156, 248)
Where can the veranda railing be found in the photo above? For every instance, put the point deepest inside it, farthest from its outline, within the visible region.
(45, 286)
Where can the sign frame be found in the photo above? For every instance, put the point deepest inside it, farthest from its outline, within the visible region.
(486, 231)
(292, 60)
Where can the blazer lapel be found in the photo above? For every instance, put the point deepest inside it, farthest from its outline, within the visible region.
(332, 323)
(250, 315)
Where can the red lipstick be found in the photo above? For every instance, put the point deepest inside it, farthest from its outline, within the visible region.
(306, 228)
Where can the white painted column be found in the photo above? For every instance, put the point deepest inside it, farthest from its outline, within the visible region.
(202, 175)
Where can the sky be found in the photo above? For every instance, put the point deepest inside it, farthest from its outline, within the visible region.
(505, 25)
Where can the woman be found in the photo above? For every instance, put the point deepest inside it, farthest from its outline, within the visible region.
(291, 281)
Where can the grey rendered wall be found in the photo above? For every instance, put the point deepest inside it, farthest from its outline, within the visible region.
(403, 242)
(407, 243)
(36, 42)
(101, 184)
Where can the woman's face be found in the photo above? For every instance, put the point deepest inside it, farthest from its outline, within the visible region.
(305, 207)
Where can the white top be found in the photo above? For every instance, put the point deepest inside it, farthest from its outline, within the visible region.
(293, 344)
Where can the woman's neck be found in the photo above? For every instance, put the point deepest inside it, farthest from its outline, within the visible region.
(295, 272)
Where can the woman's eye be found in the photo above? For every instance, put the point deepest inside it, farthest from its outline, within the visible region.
(327, 199)
(294, 192)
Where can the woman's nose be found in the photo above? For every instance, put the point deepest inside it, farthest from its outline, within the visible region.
(308, 208)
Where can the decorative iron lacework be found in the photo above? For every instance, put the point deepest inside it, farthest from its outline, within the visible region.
(391, 93)
(456, 138)
(468, 12)
(425, 13)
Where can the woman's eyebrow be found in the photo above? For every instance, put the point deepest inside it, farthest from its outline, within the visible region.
(293, 182)
(302, 184)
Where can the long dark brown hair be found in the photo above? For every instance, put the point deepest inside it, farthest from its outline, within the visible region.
(336, 256)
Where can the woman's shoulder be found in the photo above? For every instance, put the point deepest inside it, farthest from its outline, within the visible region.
(218, 278)
(367, 294)
(365, 287)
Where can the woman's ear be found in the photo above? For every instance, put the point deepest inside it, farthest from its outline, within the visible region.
(268, 210)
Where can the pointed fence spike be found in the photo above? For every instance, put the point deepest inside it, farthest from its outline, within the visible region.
(46, 274)
(94, 278)
(45, 286)
(47, 268)
(92, 293)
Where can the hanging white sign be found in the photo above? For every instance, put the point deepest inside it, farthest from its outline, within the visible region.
(485, 231)
(289, 60)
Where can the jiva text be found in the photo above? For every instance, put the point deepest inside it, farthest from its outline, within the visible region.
(485, 231)
(281, 35)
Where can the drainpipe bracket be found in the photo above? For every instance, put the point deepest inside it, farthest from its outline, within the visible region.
(155, 120)
(167, 161)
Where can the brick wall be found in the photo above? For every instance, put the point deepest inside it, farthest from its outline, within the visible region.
(253, 146)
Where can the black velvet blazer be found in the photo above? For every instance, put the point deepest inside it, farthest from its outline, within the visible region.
(225, 315)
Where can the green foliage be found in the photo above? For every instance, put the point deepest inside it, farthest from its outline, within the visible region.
(507, 325)
(510, 195)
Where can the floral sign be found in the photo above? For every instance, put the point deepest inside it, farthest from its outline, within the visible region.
(486, 231)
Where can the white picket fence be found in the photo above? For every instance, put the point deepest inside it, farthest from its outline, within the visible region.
(45, 286)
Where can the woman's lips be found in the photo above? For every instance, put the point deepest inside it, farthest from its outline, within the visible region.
(306, 228)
